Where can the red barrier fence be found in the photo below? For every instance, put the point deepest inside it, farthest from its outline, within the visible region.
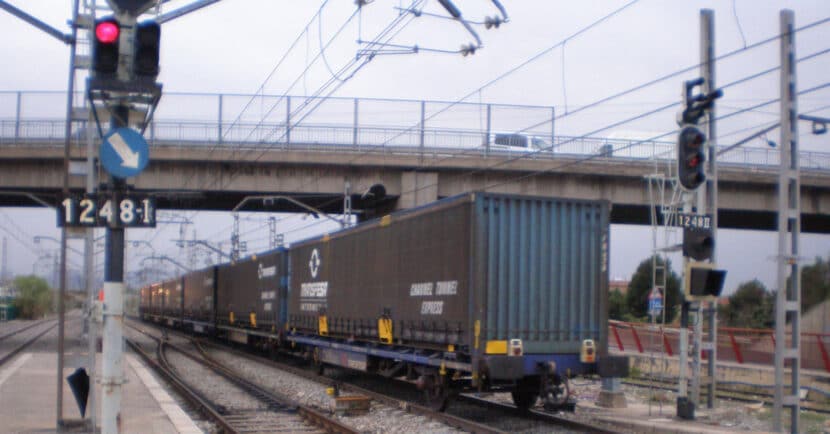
(756, 346)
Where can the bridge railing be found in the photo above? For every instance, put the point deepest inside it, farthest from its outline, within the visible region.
(368, 138)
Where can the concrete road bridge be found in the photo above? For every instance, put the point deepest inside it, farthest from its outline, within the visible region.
(419, 151)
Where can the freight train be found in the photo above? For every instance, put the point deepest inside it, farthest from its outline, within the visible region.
(476, 292)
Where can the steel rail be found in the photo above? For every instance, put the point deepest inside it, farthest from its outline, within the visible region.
(181, 387)
(279, 404)
(24, 328)
(407, 406)
(4, 359)
(539, 415)
(307, 413)
(753, 396)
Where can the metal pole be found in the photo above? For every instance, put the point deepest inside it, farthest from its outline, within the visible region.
(788, 299)
(89, 271)
(347, 204)
(89, 263)
(70, 94)
(272, 232)
(421, 133)
(707, 71)
(17, 118)
(235, 238)
(113, 369)
(288, 119)
(356, 122)
(219, 138)
(489, 128)
(682, 388)
(552, 127)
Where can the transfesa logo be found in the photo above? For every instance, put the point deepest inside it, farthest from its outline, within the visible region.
(314, 263)
(263, 272)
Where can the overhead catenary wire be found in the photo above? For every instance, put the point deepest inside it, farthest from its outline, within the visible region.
(622, 122)
(658, 109)
(695, 66)
(591, 157)
(268, 78)
(657, 137)
(662, 78)
(385, 33)
(602, 100)
(512, 70)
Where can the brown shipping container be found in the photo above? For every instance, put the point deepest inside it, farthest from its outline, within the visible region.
(532, 268)
(172, 304)
(145, 297)
(156, 298)
(199, 287)
(256, 284)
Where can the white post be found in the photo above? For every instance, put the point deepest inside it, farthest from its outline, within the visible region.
(112, 375)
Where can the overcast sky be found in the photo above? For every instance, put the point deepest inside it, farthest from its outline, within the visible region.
(233, 46)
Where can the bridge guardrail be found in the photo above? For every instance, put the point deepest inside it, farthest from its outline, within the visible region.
(368, 138)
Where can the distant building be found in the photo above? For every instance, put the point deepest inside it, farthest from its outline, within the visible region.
(618, 285)
(7, 292)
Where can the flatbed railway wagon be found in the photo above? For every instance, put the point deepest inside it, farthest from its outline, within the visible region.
(250, 298)
(476, 292)
(199, 305)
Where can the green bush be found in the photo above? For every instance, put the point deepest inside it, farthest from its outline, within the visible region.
(34, 297)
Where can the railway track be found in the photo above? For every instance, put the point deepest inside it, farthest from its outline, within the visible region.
(391, 401)
(748, 393)
(23, 328)
(470, 414)
(8, 350)
(233, 403)
(580, 426)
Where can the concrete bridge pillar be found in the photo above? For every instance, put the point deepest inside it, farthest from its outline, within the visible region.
(417, 188)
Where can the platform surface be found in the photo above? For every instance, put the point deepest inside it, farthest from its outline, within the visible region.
(28, 387)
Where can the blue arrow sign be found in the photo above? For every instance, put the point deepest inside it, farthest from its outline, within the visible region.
(124, 153)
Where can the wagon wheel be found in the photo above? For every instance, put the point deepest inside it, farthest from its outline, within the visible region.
(557, 392)
(526, 393)
(436, 392)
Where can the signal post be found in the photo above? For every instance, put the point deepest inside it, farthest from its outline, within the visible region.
(124, 67)
(702, 281)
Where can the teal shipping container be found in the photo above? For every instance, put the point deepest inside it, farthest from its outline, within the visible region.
(470, 272)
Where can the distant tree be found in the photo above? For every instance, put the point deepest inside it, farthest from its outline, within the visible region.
(750, 306)
(34, 297)
(636, 299)
(815, 283)
(616, 305)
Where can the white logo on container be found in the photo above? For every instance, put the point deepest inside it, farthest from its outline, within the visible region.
(314, 263)
(263, 272)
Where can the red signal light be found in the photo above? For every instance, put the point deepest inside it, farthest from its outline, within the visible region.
(107, 32)
(694, 161)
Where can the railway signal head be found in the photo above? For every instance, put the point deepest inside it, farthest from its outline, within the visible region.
(105, 46)
(690, 157)
(701, 281)
(698, 243)
(146, 55)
